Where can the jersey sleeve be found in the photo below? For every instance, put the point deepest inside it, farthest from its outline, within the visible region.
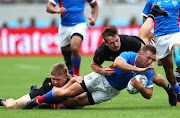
(150, 76)
(126, 56)
(54, 1)
(98, 57)
(91, 1)
(147, 8)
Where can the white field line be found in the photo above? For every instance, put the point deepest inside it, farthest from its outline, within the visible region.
(28, 67)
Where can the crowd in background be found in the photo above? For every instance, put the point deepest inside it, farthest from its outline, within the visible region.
(45, 1)
(54, 22)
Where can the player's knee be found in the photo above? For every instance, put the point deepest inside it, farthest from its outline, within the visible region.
(155, 79)
(11, 105)
(158, 79)
(159, 62)
(177, 56)
(74, 49)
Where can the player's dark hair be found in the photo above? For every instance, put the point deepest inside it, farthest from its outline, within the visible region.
(109, 31)
(150, 48)
(60, 69)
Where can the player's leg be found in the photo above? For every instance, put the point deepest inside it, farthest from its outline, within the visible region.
(160, 81)
(66, 51)
(158, 61)
(177, 75)
(76, 57)
(167, 63)
(78, 102)
(77, 35)
(64, 37)
(16, 104)
(176, 56)
(56, 95)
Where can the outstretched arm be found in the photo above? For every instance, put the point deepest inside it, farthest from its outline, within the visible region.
(94, 13)
(121, 64)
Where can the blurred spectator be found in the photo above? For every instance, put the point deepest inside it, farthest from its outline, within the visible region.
(106, 22)
(32, 22)
(53, 22)
(6, 1)
(133, 21)
(4, 24)
(132, 1)
(20, 22)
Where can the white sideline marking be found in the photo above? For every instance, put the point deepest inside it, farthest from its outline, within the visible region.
(28, 67)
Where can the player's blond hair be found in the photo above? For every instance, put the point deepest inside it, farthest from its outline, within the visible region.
(109, 31)
(60, 69)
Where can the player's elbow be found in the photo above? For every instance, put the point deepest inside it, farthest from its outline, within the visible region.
(47, 8)
(148, 97)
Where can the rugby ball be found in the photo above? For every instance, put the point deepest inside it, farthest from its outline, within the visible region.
(131, 89)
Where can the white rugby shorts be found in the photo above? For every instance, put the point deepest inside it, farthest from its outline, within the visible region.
(164, 44)
(99, 87)
(65, 33)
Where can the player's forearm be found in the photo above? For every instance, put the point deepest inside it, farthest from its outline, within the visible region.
(94, 10)
(125, 66)
(121, 64)
(51, 7)
(71, 81)
(97, 68)
(146, 92)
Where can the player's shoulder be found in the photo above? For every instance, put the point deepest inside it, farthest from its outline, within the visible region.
(130, 39)
(102, 48)
(128, 53)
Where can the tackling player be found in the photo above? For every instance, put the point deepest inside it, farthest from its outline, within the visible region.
(101, 87)
(59, 77)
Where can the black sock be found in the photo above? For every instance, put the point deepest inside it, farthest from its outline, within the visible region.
(167, 87)
(1, 102)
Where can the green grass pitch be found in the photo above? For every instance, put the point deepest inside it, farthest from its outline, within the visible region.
(18, 73)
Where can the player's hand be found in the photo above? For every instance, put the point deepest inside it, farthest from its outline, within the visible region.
(108, 71)
(61, 106)
(152, 38)
(61, 10)
(142, 70)
(92, 21)
(137, 84)
(78, 79)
